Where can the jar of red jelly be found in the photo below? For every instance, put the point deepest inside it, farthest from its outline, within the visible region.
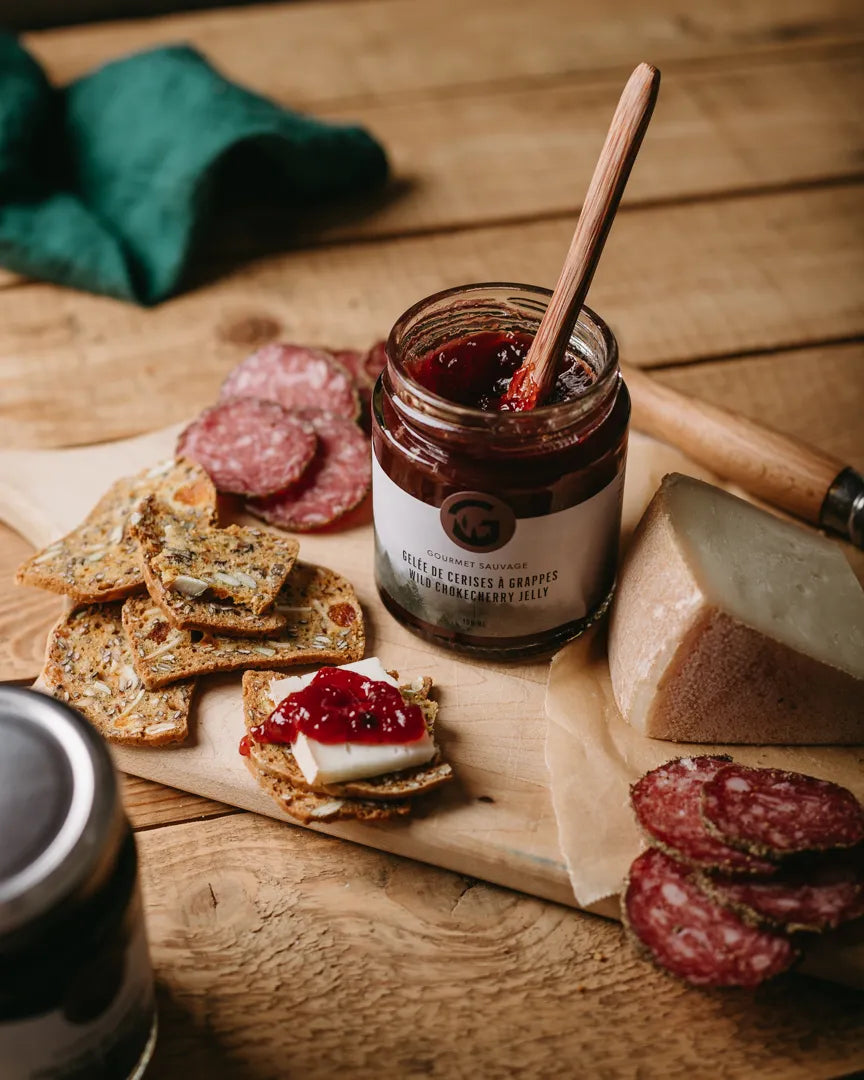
(76, 986)
(496, 532)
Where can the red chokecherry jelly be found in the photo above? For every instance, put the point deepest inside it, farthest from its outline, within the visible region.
(340, 706)
(476, 370)
(496, 531)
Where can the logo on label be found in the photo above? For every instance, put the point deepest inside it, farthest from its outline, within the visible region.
(477, 522)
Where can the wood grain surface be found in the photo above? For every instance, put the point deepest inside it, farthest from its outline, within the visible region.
(313, 52)
(291, 955)
(732, 125)
(149, 805)
(677, 283)
(734, 270)
(30, 14)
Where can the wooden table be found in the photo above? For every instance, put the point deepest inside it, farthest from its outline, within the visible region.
(734, 271)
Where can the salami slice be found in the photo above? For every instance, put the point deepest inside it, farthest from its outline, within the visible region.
(296, 377)
(692, 936)
(667, 802)
(375, 360)
(820, 897)
(336, 481)
(775, 813)
(354, 363)
(249, 447)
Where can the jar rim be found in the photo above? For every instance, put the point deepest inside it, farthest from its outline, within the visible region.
(553, 415)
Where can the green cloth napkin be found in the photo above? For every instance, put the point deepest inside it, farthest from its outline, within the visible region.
(108, 184)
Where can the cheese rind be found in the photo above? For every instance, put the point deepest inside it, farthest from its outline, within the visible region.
(331, 763)
(732, 626)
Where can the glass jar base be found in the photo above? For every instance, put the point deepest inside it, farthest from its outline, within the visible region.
(147, 1052)
(521, 648)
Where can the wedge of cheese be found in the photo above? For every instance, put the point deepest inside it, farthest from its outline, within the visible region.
(732, 626)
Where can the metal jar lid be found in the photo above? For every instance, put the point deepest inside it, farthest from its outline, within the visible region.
(61, 820)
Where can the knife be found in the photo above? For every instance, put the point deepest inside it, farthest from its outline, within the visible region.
(783, 471)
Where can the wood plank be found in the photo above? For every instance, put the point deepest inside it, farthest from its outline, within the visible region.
(149, 805)
(677, 283)
(26, 615)
(249, 918)
(30, 14)
(819, 398)
(365, 49)
(492, 156)
(716, 130)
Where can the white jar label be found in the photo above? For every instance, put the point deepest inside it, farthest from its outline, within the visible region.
(473, 567)
(52, 1046)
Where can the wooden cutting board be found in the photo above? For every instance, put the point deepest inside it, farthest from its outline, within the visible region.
(495, 822)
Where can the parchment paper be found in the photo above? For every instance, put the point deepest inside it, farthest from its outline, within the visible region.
(594, 755)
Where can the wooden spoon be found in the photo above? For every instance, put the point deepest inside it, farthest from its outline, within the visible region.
(533, 382)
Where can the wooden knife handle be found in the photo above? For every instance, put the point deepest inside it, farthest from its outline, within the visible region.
(777, 468)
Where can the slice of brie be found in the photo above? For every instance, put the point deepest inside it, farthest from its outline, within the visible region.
(732, 626)
(332, 763)
(371, 667)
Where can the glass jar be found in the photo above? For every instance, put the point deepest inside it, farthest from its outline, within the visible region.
(496, 533)
(76, 986)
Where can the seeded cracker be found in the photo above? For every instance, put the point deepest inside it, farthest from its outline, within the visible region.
(192, 612)
(325, 625)
(246, 566)
(277, 763)
(89, 665)
(308, 808)
(97, 561)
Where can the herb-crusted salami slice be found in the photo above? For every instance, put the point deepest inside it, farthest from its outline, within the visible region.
(775, 813)
(336, 481)
(817, 898)
(364, 367)
(667, 804)
(249, 447)
(692, 936)
(295, 377)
